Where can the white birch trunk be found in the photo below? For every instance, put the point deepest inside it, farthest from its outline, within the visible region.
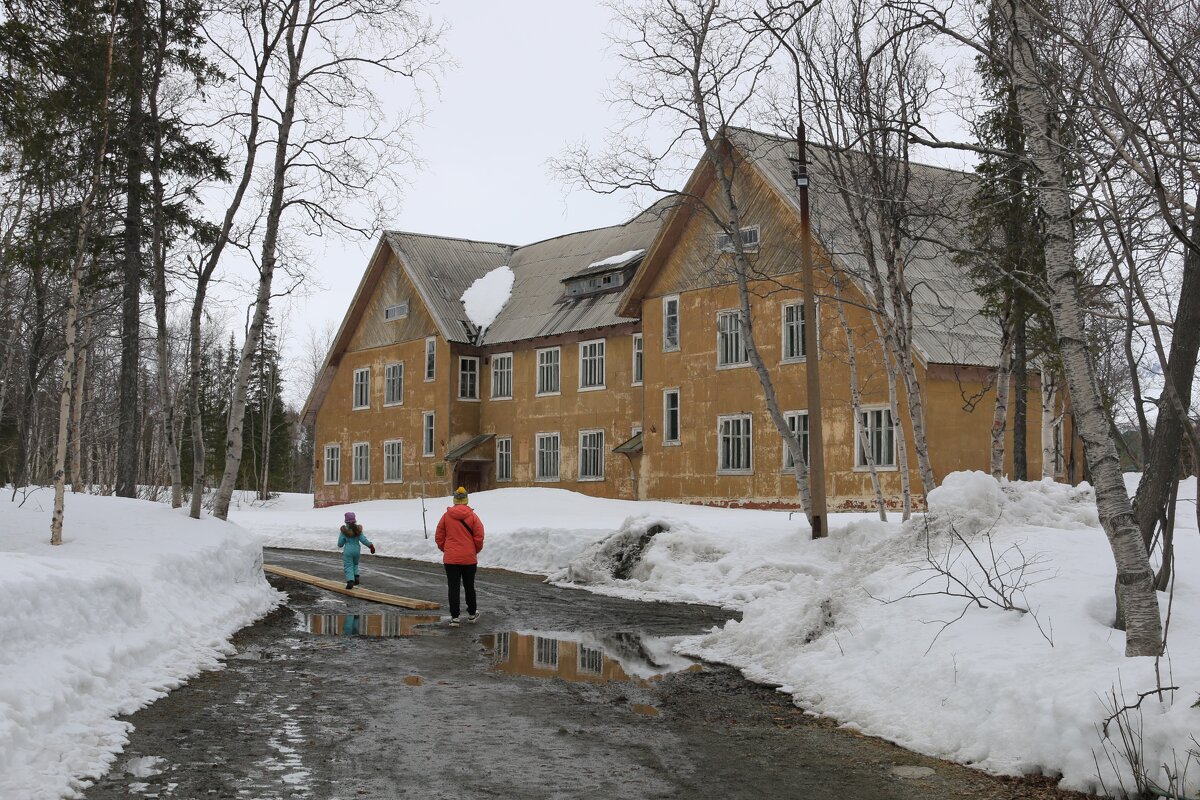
(1049, 424)
(81, 363)
(1000, 417)
(72, 322)
(856, 402)
(237, 413)
(894, 407)
(1137, 601)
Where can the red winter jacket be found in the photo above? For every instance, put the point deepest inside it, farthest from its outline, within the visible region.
(459, 535)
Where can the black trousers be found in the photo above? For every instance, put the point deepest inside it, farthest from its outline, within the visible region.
(466, 574)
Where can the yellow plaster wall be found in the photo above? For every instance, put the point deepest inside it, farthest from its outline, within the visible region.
(375, 344)
(614, 409)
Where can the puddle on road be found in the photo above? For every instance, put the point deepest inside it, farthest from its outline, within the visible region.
(373, 625)
(585, 658)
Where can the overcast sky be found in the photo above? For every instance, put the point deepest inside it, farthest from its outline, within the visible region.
(530, 79)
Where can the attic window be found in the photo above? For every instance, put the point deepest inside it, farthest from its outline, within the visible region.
(399, 311)
(749, 240)
(595, 284)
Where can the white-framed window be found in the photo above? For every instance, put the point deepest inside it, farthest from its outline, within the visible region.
(427, 433)
(635, 430)
(731, 347)
(504, 458)
(671, 416)
(547, 456)
(502, 371)
(591, 455)
(362, 388)
(468, 378)
(430, 358)
(749, 240)
(398, 311)
(670, 322)
(798, 423)
(393, 384)
(548, 370)
(638, 359)
(545, 653)
(735, 450)
(361, 464)
(880, 432)
(333, 463)
(393, 461)
(794, 348)
(591, 364)
(591, 660)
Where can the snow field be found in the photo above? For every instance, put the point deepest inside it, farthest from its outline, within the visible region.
(138, 599)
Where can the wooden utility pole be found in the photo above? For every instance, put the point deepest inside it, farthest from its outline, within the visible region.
(816, 442)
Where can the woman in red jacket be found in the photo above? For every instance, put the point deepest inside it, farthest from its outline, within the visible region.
(460, 537)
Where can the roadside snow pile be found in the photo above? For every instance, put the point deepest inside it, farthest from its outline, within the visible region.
(136, 600)
(974, 502)
(1005, 691)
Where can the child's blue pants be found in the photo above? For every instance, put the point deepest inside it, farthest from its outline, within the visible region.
(350, 565)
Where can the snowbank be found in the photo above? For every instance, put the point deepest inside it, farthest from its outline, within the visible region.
(137, 599)
(528, 530)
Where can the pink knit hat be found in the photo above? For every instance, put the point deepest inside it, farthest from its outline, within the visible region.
(350, 517)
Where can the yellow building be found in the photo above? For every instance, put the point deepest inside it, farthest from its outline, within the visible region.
(616, 368)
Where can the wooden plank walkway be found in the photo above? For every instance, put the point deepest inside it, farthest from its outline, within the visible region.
(340, 588)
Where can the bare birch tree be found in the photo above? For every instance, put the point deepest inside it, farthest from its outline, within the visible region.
(856, 400)
(867, 84)
(83, 234)
(330, 140)
(694, 66)
(1035, 99)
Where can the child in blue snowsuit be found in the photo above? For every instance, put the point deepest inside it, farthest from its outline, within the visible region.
(350, 541)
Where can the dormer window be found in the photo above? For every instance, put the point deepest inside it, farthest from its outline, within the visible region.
(398, 311)
(594, 284)
(749, 240)
(606, 275)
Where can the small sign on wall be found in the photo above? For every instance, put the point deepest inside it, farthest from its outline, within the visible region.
(439, 469)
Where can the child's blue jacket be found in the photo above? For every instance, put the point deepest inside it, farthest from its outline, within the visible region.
(353, 544)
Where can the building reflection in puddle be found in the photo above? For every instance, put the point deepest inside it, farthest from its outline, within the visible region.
(376, 625)
(585, 658)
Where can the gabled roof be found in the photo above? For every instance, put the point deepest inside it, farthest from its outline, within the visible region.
(442, 269)
(950, 327)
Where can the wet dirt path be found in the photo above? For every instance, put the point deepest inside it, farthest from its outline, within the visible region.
(554, 693)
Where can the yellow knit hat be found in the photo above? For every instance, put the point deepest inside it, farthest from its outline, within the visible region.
(460, 496)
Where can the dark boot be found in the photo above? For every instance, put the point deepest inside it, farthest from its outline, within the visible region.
(349, 584)
(356, 580)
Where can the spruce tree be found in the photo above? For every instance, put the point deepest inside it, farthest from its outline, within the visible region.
(1007, 259)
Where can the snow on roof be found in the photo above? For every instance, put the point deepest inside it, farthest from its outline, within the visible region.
(620, 258)
(484, 299)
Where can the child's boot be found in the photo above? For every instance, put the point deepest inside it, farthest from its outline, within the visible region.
(356, 580)
(349, 584)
